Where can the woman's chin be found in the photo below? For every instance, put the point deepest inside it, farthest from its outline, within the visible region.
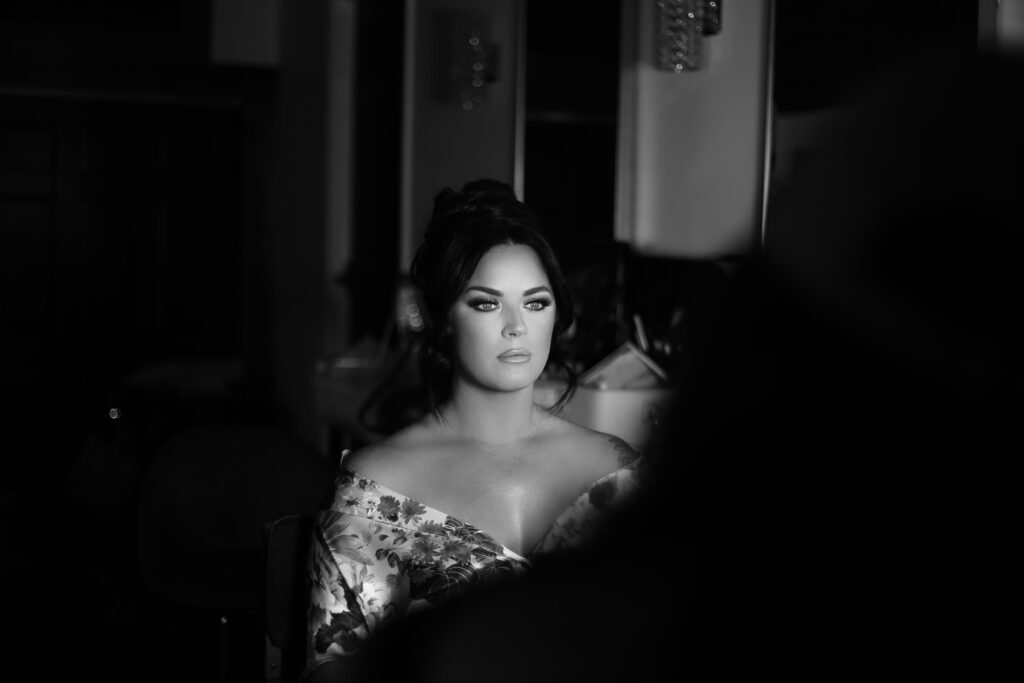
(506, 382)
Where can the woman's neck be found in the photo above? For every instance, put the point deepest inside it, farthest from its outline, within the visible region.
(494, 418)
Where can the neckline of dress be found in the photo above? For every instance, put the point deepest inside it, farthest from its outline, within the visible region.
(505, 549)
(515, 555)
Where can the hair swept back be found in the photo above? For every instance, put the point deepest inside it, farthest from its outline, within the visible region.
(463, 226)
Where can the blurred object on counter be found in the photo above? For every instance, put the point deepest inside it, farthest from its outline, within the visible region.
(665, 306)
(409, 311)
(367, 355)
(596, 275)
(642, 324)
(625, 394)
(677, 302)
(626, 368)
(641, 333)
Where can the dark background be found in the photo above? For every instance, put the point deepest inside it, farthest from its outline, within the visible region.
(143, 190)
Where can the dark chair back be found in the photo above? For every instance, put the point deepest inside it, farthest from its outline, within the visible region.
(205, 500)
(286, 543)
(205, 503)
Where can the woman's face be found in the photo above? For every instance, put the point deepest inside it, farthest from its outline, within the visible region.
(503, 320)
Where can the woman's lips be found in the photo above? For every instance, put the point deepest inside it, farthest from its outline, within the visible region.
(515, 356)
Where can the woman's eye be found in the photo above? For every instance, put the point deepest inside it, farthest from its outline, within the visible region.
(483, 305)
(537, 304)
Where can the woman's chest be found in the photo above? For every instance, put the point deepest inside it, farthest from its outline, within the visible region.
(516, 506)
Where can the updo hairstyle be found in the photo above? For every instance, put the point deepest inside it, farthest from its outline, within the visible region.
(464, 226)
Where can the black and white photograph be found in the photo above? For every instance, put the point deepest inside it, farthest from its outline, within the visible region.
(438, 341)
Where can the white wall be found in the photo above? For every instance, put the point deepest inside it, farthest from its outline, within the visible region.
(444, 144)
(1010, 26)
(691, 144)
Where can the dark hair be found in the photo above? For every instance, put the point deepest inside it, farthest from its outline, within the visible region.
(464, 226)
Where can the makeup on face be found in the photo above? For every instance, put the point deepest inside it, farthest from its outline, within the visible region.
(488, 299)
(515, 356)
(504, 320)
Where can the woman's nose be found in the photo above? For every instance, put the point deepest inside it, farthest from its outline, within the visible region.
(515, 326)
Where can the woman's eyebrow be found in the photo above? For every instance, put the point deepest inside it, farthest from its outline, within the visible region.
(498, 292)
(485, 290)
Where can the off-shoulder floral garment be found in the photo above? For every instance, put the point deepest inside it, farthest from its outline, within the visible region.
(377, 555)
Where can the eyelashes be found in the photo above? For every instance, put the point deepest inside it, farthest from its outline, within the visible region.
(537, 304)
(483, 304)
(486, 305)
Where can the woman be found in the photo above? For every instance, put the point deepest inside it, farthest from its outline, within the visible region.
(488, 480)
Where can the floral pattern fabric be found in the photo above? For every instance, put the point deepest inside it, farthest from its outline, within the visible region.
(377, 555)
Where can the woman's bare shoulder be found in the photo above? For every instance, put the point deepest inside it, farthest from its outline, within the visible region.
(605, 452)
(389, 459)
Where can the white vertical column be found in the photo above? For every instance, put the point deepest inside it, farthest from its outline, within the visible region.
(449, 138)
(1010, 26)
(692, 144)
